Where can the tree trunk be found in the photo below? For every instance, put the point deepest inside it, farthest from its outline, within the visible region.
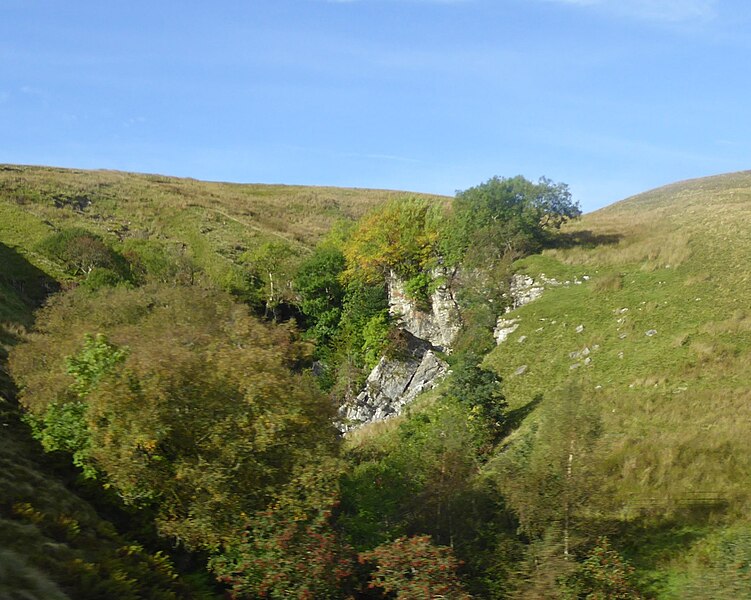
(567, 506)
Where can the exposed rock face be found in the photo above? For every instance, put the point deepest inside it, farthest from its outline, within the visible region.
(523, 290)
(393, 384)
(504, 328)
(439, 326)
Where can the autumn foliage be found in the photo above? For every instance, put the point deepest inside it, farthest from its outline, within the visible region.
(415, 569)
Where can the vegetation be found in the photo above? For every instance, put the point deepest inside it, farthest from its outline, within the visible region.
(162, 333)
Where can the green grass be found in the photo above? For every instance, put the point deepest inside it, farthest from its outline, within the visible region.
(676, 405)
(36, 200)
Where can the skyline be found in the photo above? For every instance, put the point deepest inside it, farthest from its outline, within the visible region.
(612, 98)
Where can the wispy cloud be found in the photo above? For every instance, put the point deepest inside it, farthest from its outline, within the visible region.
(403, 1)
(653, 10)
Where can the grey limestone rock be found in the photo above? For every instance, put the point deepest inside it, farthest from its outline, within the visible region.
(393, 384)
(440, 325)
(504, 328)
(523, 290)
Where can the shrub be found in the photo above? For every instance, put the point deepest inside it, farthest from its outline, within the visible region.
(414, 569)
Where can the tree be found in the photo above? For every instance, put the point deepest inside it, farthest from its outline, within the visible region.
(603, 575)
(479, 390)
(274, 265)
(399, 236)
(81, 251)
(292, 549)
(548, 476)
(63, 425)
(321, 292)
(204, 419)
(415, 569)
(505, 217)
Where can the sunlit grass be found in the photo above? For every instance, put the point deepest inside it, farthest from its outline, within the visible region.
(665, 320)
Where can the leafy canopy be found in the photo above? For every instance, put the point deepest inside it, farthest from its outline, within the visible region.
(505, 216)
(203, 418)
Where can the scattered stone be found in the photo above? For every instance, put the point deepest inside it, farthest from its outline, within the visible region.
(651, 332)
(596, 347)
(574, 366)
(522, 339)
(575, 355)
(521, 370)
(586, 278)
(579, 328)
(620, 355)
(588, 361)
(585, 352)
(623, 311)
(598, 387)
(504, 328)
(623, 336)
(552, 281)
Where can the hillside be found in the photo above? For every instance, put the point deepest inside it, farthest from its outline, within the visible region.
(55, 544)
(618, 407)
(652, 317)
(216, 222)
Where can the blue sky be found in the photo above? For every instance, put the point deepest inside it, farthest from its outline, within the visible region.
(612, 97)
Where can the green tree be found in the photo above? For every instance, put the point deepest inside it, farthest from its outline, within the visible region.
(63, 425)
(505, 217)
(204, 418)
(274, 264)
(603, 575)
(80, 252)
(321, 293)
(479, 390)
(548, 476)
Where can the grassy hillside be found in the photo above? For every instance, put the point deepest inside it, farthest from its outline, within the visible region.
(215, 222)
(646, 311)
(53, 543)
(659, 334)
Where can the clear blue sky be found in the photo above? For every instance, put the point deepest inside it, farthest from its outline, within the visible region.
(610, 96)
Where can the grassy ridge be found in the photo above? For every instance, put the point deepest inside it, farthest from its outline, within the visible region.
(216, 221)
(660, 333)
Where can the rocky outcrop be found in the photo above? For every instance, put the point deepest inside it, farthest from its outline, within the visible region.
(393, 384)
(438, 326)
(523, 290)
(504, 328)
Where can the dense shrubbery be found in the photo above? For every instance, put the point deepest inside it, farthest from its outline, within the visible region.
(188, 404)
(83, 253)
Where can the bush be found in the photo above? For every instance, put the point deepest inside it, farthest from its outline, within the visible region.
(80, 251)
(414, 568)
